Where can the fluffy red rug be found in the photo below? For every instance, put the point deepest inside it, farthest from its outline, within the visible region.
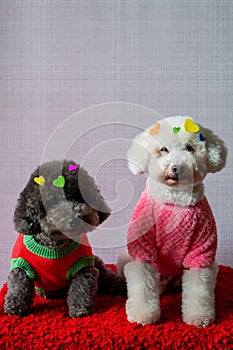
(49, 325)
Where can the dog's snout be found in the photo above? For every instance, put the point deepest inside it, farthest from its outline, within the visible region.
(178, 170)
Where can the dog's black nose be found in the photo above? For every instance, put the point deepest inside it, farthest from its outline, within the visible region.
(178, 170)
(72, 222)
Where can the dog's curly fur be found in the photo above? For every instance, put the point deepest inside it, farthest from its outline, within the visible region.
(55, 218)
(177, 161)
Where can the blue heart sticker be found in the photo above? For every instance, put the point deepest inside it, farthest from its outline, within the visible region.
(201, 137)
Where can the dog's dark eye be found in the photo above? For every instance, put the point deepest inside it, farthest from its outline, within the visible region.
(189, 148)
(164, 149)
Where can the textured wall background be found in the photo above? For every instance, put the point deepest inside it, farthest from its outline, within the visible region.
(58, 57)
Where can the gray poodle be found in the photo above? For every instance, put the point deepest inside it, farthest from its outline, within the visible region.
(52, 255)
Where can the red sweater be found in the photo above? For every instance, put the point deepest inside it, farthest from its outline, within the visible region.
(51, 269)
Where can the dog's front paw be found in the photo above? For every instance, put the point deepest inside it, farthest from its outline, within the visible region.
(76, 311)
(15, 307)
(198, 302)
(147, 313)
(199, 320)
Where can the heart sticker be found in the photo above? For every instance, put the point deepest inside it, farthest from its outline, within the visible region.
(176, 129)
(39, 180)
(201, 137)
(190, 126)
(59, 182)
(155, 129)
(73, 167)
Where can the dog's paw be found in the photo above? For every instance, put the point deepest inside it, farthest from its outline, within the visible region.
(199, 320)
(15, 308)
(76, 312)
(143, 314)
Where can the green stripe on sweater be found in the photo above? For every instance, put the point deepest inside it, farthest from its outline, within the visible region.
(78, 265)
(22, 264)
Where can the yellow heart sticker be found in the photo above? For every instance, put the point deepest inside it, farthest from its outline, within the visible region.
(155, 129)
(39, 180)
(190, 126)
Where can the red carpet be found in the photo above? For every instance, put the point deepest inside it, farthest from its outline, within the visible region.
(49, 326)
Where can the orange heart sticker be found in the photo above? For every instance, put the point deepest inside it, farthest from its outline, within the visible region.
(190, 126)
(155, 129)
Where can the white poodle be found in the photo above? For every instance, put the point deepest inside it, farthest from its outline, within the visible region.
(172, 233)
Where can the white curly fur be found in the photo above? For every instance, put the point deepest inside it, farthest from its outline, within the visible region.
(145, 155)
(198, 296)
(143, 304)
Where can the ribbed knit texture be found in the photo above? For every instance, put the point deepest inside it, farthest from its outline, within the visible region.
(45, 252)
(23, 265)
(172, 237)
(78, 265)
(50, 269)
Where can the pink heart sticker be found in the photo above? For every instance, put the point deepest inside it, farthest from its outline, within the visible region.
(73, 167)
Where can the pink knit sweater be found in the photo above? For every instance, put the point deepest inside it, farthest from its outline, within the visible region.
(171, 237)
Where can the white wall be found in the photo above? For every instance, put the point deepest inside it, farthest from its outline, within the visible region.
(58, 57)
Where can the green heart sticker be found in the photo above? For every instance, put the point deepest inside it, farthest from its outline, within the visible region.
(59, 182)
(176, 129)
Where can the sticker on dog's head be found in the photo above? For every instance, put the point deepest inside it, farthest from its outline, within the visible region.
(39, 180)
(176, 129)
(190, 126)
(73, 167)
(201, 137)
(59, 182)
(155, 129)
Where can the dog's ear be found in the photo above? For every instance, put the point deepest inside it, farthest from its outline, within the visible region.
(26, 217)
(91, 195)
(26, 212)
(139, 154)
(103, 209)
(216, 151)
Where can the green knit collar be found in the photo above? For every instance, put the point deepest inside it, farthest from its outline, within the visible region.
(48, 253)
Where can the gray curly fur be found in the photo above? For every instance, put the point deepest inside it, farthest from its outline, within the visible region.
(45, 212)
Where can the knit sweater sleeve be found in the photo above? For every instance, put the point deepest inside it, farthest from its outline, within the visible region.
(203, 247)
(141, 232)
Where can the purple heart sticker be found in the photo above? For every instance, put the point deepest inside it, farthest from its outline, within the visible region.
(73, 167)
